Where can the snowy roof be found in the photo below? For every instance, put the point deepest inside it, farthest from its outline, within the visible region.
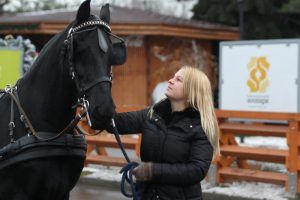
(148, 22)
(119, 15)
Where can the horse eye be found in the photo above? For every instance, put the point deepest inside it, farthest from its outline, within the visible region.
(111, 73)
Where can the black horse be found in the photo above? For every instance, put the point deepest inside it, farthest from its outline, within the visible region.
(39, 161)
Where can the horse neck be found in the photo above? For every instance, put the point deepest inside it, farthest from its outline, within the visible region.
(47, 93)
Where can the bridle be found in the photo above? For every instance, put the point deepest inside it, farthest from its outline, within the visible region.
(82, 89)
(127, 169)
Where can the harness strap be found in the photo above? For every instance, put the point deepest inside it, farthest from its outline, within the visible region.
(83, 132)
(27, 142)
(24, 117)
(69, 127)
(23, 120)
(11, 125)
(2, 92)
(95, 82)
(14, 152)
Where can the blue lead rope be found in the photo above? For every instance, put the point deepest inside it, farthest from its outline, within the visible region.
(126, 171)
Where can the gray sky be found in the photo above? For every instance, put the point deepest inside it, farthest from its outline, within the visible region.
(168, 7)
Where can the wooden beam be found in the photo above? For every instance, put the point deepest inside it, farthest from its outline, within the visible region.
(255, 153)
(138, 29)
(257, 115)
(168, 30)
(254, 129)
(252, 175)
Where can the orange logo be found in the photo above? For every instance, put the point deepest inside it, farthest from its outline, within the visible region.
(258, 80)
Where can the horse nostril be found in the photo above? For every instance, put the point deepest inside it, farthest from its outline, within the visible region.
(101, 117)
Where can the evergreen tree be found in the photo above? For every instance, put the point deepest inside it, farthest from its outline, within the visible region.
(263, 19)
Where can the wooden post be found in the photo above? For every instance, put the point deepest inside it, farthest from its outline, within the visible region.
(292, 160)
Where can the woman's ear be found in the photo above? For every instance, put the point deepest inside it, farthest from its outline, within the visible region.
(105, 13)
(83, 12)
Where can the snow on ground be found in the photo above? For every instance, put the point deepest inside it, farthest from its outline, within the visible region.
(103, 173)
(240, 189)
(236, 189)
(249, 190)
(268, 142)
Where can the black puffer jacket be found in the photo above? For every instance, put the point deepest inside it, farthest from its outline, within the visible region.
(176, 145)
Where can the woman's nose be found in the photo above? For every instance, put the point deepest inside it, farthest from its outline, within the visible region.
(170, 81)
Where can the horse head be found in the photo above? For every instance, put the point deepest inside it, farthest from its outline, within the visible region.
(90, 54)
(74, 65)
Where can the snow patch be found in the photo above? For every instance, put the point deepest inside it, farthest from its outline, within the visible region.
(249, 190)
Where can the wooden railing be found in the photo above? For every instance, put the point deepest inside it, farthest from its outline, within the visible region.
(233, 162)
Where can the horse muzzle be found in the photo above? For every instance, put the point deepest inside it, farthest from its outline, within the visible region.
(101, 117)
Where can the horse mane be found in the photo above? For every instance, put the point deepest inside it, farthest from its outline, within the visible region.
(55, 43)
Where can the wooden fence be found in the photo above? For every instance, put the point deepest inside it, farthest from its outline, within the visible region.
(233, 163)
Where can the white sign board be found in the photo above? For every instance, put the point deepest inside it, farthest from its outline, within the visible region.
(260, 75)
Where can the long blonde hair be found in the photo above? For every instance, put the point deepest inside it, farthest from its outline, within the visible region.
(198, 92)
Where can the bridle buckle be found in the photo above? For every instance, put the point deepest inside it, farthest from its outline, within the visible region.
(84, 104)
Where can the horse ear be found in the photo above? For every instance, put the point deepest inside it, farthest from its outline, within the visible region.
(83, 13)
(105, 13)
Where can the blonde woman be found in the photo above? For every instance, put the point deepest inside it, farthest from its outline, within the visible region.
(179, 138)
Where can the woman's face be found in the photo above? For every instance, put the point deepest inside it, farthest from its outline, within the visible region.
(175, 87)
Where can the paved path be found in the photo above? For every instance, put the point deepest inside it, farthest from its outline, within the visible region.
(92, 192)
(84, 191)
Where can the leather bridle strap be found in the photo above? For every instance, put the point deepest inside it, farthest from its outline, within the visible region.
(80, 87)
(11, 125)
(69, 127)
(2, 92)
(25, 117)
(95, 82)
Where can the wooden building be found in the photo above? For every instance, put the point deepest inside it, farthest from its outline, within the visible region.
(157, 45)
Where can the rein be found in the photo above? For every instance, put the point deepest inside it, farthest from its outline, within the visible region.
(12, 91)
(126, 171)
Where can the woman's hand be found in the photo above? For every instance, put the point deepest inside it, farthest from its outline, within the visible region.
(143, 172)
